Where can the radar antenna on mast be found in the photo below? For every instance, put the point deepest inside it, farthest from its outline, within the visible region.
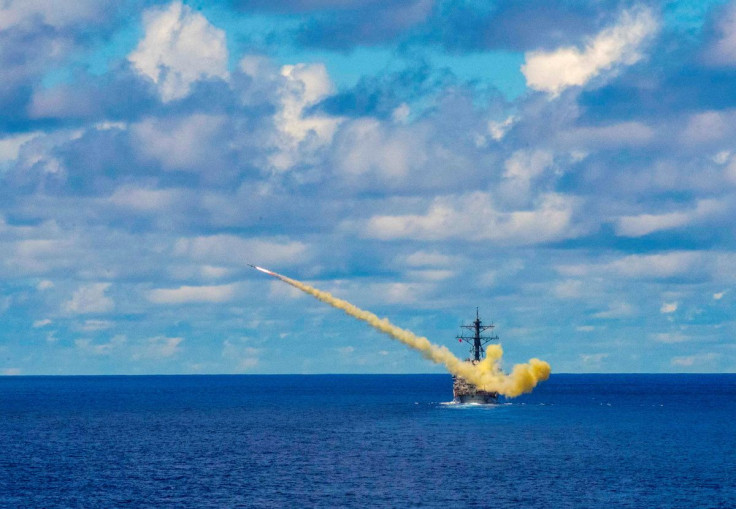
(477, 341)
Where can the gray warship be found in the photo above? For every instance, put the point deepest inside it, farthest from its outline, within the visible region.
(462, 390)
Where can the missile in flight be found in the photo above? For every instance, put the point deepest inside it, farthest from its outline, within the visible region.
(486, 374)
(262, 269)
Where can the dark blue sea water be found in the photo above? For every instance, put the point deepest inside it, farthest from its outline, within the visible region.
(356, 441)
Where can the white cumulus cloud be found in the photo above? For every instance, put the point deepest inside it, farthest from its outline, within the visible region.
(367, 146)
(616, 310)
(670, 337)
(179, 47)
(644, 224)
(90, 299)
(303, 85)
(473, 216)
(702, 360)
(10, 145)
(87, 346)
(187, 294)
(668, 307)
(565, 67)
(656, 266)
(665, 265)
(159, 347)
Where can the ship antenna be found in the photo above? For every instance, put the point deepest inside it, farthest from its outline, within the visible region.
(477, 340)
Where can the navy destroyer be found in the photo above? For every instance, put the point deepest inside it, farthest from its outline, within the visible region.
(462, 390)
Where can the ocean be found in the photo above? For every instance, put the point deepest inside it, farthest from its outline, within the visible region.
(588, 441)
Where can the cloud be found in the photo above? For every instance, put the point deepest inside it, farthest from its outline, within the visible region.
(10, 145)
(709, 127)
(278, 292)
(668, 307)
(430, 275)
(90, 298)
(15, 12)
(189, 294)
(368, 146)
(179, 47)
(644, 224)
(515, 26)
(41, 323)
(593, 360)
(96, 325)
(246, 357)
(657, 265)
(554, 71)
(142, 199)
(400, 293)
(527, 164)
(473, 217)
(521, 170)
(26, 50)
(616, 310)
(211, 272)
(159, 347)
(44, 284)
(304, 85)
(671, 337)
(10, 371)
(87, 346)
(232, 250)
(388, 96)
(654, 266)
(570, 289)
(384, 172)
(430, 259)
(701, 360)
(498, 130)
(190, 143)
(722, 50)
(616, 135)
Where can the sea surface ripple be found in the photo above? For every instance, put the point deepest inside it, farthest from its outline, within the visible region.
(589, 441)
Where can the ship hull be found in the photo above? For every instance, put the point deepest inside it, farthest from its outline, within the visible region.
(477, 399)
(467, 393)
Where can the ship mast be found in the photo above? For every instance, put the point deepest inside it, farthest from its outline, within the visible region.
(476, 341)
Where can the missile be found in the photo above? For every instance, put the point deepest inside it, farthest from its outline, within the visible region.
(262, 269)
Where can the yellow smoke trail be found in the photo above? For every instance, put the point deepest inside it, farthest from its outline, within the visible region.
(485, 375)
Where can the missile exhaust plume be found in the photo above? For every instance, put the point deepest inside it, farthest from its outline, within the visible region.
(264, 270)
(486, 375)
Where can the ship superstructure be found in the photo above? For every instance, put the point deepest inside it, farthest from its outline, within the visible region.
(462, 390)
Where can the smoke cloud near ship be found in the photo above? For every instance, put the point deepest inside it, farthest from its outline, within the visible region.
(486, 375)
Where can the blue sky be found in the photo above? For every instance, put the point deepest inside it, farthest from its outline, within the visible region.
(569, 167)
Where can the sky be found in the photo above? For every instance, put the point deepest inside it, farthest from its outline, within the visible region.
(568, 167)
